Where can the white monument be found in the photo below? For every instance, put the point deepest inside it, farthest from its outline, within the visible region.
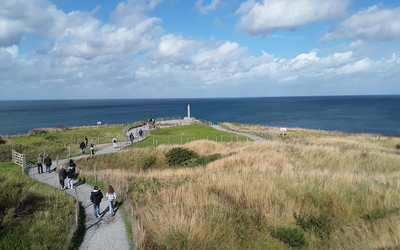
(188, 119)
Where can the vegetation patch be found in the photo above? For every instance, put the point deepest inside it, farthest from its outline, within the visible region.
(290, 236)
(381, 213)
(320, 225)
(180, 156)
(33, 215)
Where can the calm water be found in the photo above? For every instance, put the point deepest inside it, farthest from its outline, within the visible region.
(352, 114)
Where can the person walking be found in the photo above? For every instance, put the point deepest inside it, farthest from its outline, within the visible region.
(115, 141)
(62, 175)
(140, 132)
(71, 173)
(95, 197)
(91, 149)
(86, 141)
(131, 137)
(47, 163)
(82, 146)
(40, 164)
(111, 196)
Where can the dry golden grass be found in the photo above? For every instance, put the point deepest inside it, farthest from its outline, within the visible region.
(238, 200)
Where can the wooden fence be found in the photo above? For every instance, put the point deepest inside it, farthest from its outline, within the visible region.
(19, 159)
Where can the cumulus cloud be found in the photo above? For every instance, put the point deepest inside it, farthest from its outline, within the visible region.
(371, 24)
(262, 18)
(204, 9)
(134, 57)
(21, 17)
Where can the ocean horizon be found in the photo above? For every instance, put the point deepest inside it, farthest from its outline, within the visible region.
(378, 114)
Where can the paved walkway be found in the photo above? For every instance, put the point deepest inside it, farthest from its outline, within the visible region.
(253, 137)
(106, 232)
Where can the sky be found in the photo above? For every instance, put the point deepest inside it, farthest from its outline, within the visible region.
(109, 49)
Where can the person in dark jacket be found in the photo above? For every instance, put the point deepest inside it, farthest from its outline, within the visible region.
(62, 174)
(83, 146)
(40, 164)
(71, 173)
(95, 197)
(47, 163)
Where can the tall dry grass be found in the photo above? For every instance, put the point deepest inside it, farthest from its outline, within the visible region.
(237, 201)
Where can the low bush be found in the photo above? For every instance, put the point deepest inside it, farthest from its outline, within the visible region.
(290, 236)
(179, 156)
(319, 225)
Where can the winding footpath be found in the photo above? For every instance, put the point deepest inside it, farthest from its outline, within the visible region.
(106, 232)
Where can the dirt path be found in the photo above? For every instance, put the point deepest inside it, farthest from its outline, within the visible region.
(106, 232)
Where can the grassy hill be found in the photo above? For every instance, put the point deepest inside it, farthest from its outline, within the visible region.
(308, 189)
(33, 215)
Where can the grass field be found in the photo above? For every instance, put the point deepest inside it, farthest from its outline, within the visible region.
(308, 189)
(62, 143)
(33, 215)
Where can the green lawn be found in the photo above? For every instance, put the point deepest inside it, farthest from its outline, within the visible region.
(185, 134)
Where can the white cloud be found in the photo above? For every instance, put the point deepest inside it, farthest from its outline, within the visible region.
(371, 24)
(262, 18)
(174, 47)
(227, 53)
(204, 9)
(25, 16)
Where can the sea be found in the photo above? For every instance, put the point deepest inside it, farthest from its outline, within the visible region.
(349, 114)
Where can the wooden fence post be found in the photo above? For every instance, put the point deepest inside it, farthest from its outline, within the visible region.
(95, 175)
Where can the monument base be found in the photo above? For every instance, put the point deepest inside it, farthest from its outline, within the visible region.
(188, 120)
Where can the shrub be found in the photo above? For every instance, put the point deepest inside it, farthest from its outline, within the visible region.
(179, 156)
(320, 225)
(148, 161)
(290, 236)
(2, 141)
(204, 160)
(398, 146)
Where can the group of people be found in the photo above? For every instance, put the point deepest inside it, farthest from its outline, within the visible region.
(84, 145)
(46, 161)
(70, 174)
(95, 196)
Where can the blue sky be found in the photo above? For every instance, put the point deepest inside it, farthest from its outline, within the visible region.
(107, 49)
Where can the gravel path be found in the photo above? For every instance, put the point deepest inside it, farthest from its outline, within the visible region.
(106, 232)
(253, 137)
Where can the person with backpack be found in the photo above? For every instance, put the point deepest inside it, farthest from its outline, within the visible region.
(71, 173)
(140, 132)
(111, 196)
(91, 149)
(47, 162)
(95, 197)
(62, 175)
